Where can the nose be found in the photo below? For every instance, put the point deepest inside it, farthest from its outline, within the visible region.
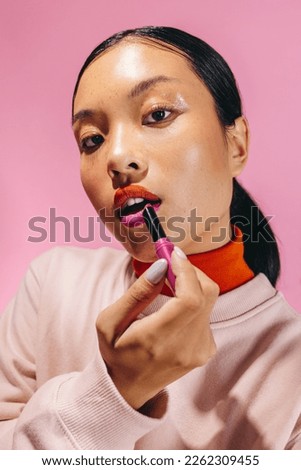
(125, 165)
(126, 171)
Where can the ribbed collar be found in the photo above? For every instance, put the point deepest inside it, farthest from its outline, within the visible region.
(235, 306)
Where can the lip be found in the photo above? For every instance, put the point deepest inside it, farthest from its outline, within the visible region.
(137, 219)
(123, 194)
(133, 191)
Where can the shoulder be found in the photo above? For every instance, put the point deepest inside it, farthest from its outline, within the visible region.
(74, 261)
(287, 318)
(278, 327)
(276, 312)
(77, 255)
(259, 307)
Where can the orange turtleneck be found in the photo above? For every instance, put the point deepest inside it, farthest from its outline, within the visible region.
(225, 265)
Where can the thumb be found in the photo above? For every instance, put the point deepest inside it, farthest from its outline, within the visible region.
(116, 318)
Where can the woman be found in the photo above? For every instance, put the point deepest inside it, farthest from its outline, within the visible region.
(158, 120)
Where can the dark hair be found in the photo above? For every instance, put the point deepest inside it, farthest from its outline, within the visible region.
(260, 246)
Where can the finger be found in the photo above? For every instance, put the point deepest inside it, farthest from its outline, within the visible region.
(190, 277)
(116, 318)
(195, 292)
(208, 286)
(187, 282)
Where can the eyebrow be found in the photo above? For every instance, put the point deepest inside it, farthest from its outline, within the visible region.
(82, 115)
(137, 90)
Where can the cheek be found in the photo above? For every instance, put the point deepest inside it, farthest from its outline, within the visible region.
(88, 182)
(95, 185)
(199, 160)
(200, 166)
(200, 146)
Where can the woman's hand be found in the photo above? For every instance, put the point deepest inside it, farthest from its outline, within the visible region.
(144, 356)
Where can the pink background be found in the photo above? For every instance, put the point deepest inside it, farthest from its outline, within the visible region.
(43, 45)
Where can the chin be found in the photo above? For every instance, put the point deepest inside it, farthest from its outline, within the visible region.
(144, 252)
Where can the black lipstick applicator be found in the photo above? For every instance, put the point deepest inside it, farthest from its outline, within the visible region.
(163, 245)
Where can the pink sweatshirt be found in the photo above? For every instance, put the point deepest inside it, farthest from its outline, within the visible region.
(55, 392)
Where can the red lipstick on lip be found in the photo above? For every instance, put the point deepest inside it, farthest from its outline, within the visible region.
(131, 216)
(123, 194)
(163, 245)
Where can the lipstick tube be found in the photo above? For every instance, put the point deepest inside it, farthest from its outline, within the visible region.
(163, 245)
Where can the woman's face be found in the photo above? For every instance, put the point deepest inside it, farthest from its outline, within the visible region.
(143, 118)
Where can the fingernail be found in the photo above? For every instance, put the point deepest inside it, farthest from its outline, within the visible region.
(156, 272)
(179, 252)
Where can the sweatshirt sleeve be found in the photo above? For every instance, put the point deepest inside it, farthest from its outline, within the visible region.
(296, 445)
(77, 410)
(294, 442)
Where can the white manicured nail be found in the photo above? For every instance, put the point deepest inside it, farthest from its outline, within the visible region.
(180, 253)
(156, 271)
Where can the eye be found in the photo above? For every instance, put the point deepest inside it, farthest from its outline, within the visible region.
(158, 115)
(91, 143)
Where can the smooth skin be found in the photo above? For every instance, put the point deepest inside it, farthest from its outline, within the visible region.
(142, 116)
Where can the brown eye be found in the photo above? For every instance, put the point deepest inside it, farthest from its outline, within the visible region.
(92, 142)
(157, 116)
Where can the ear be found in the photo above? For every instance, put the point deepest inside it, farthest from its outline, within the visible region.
(238, 144)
